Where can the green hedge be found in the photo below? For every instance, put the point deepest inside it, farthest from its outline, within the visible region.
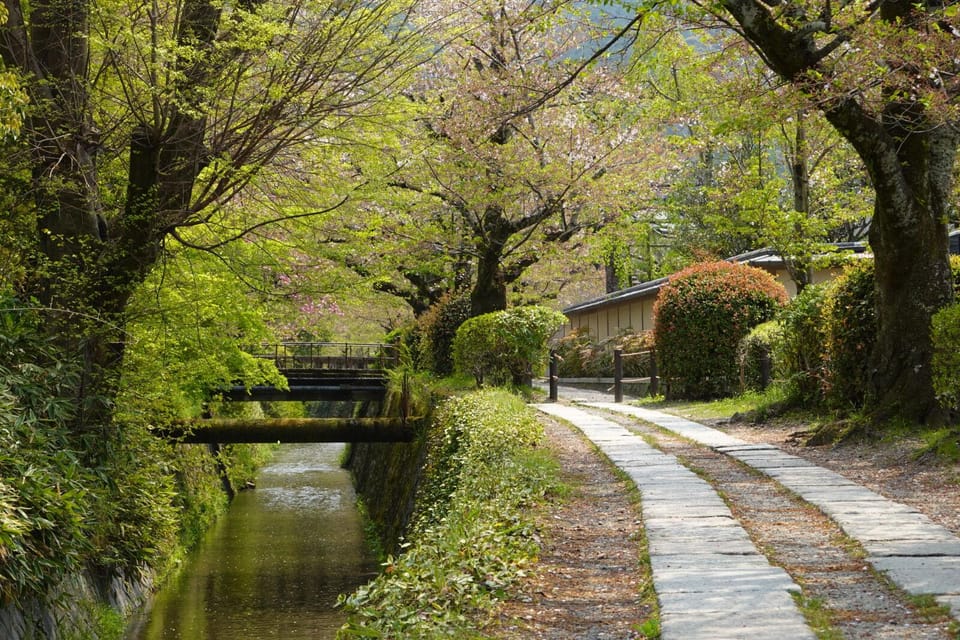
(437, 329)
(800, 352)
(701, 315)
(756, 348)
(851, 333)
(946, 356)
(505, 346)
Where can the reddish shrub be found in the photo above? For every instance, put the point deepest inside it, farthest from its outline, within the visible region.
(701, 315)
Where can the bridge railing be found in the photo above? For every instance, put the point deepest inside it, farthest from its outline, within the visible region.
(324, 356)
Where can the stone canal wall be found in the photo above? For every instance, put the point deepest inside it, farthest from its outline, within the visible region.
(77, 608)
(386, 476)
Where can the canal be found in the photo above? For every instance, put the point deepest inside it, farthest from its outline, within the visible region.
(274, 565)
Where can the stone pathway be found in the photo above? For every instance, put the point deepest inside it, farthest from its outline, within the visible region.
(711, 581)
(919, 556)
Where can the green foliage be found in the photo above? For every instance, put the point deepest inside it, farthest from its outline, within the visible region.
(134, 517)
(945, 330)
(799, 352)
(45, 501)
(755, 349)
(438, 328)
(579, 357)
(505, 346)
(13, 100)
(851, 319)
(116, 499)
(188, 323)
(700, 317)
(472, 537)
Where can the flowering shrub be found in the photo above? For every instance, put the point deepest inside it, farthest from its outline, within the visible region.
(701, 315)
(505, 346)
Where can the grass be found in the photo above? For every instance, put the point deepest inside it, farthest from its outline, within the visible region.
(818, 617)
(752, 402)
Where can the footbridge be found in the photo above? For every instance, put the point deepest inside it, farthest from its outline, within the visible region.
(315, 372)
(323, 371)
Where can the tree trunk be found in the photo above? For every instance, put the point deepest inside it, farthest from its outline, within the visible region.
(909, 238)
(909, 153)
(489, 292)
(912, 174)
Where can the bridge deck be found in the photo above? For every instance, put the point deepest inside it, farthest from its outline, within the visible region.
(315, 371)
(357, 359)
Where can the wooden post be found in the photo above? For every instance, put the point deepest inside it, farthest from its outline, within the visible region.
(764, 370)
(654, 378)
(618, 375)
(553, 377)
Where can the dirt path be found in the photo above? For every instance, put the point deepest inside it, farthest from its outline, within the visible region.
(590, 583)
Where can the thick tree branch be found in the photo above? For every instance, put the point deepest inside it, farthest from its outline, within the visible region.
(248, 230)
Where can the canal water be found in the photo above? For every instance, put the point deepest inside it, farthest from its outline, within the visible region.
(274, 565)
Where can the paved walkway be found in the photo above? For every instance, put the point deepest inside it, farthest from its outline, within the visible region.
(711, 581)
(920, 556)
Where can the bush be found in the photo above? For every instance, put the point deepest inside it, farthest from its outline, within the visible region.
(505, 346)
(437, 329)
(799, 353)
(701, 315)
(851, 333)
(577, 355)
(946, 356)
(632, 342)
(755, 354)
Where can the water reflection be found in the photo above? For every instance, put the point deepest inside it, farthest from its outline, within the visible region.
(275, 564)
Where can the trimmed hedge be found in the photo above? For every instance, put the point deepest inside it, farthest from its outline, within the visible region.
(701, 315)
(755, 348)
(505, 346)
(437, 328)
(945, 328)
(946, 356)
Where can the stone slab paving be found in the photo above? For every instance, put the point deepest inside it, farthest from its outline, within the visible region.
(711, 582)
(918, 555)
